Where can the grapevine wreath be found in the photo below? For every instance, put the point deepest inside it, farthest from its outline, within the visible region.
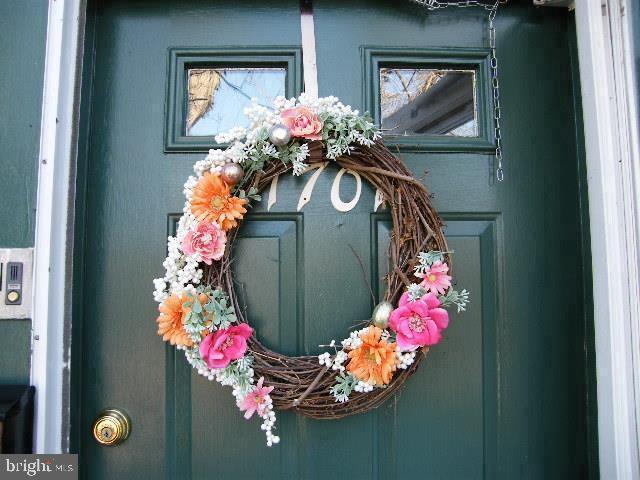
(199, 309)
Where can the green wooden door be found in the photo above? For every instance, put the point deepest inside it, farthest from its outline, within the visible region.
(502, 397)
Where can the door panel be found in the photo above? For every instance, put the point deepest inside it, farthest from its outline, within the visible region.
(497, 399)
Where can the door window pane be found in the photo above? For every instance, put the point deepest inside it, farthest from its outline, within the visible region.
(428, 101)
(217, 96)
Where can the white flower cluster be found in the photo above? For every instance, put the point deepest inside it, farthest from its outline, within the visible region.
(236, 134)
(268, 421)
(282, 103)
(160, 290)
(336, 362)
(215, 160)
(363, 387)
(189, 185)
(260, 116)
(325, 105)
(325, 359)
(404, 359)
(354, 340)
(235, 153)
(181, 272)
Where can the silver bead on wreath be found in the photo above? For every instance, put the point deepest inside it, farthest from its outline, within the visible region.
(232, 173)
(279, 135)
(381, 314)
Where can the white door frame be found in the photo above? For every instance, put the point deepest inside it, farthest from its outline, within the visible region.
(53, 249)
(613, 167)
(609, 103)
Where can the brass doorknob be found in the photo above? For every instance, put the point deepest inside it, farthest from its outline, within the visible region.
(111, 427)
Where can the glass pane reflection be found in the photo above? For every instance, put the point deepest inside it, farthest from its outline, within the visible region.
(217, 96)
(428, 101)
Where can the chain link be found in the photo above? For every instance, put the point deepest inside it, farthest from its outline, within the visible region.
(436, 4)
(492, 8)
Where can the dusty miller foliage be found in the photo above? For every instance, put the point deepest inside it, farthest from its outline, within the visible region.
(239, 374)
(457, 298)
(345, 383)
(217, 312)
(427, 259)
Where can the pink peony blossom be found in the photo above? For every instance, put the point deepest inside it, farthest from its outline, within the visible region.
(436, 280)
(302, 122)
(218, 349)
(208, 239)
(255, 400)
(418, 323)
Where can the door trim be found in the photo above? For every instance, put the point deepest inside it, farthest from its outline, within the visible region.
(613, 176)
(55, 225)
(53, 249)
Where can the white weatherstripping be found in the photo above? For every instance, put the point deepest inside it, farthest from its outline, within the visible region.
(49, 280)
(613, 166)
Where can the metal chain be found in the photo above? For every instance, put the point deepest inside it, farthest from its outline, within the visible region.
(492, 8)
(495, 88)
(435, 4)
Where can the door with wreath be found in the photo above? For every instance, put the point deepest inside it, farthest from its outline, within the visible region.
(504, 395)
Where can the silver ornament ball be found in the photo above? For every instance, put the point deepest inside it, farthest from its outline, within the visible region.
(381, 314)
(279, 135)
(232, 173)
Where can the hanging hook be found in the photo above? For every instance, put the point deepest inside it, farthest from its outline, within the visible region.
(308, 48)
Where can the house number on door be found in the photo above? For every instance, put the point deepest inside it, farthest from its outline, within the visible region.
(336, 201)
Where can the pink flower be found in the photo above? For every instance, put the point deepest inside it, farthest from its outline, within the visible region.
(302, 122)
(436, 280)
(255, 400)
(208, 239)
(418, 323)
(218, 349)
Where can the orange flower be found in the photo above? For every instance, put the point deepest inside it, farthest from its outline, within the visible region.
(171, 319)
(375, 360)
(212, 201)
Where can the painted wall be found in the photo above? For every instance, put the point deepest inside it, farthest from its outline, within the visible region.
(23, 26)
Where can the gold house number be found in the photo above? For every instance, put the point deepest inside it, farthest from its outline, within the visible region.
(336, 201)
